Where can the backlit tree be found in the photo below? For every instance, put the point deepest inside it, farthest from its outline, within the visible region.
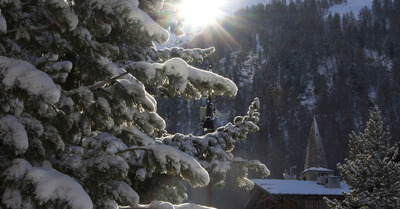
(372, 171)
(78, 120)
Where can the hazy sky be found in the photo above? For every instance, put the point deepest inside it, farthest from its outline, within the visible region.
(352, 5)
(233, 5)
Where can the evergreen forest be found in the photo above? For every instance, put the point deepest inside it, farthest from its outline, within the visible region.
(301, 60)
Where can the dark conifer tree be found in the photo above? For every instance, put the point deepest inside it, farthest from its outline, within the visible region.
(371, 170)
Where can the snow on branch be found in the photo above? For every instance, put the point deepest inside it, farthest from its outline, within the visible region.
(69, 16)
(180, 78)
(211, 82)
(132, 87)
(222, 140)
(172, 161)
(105, 141)
(189, 55)
(214, 150)
(21, 74)
(17, 170)
(129, 10)
(101, 84)
(140, 138)
(243, 166)
(13, 134)
(51, 185)
(123, 193)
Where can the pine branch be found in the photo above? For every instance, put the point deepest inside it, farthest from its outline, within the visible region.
(44, 28)
(94, 87)
(131, 149)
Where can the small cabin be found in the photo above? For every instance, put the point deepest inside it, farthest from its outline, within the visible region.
(293, 194)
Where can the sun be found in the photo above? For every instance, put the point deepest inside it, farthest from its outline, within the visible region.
(198, 13)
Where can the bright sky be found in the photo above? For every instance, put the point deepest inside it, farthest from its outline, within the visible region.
(200, 13)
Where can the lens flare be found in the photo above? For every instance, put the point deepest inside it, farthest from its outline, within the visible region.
(197, 13)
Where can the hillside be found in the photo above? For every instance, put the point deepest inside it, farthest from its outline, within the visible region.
(302, 61)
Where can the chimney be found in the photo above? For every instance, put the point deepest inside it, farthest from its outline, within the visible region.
(332, 182)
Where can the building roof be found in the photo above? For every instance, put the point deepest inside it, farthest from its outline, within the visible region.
(320, 169)
(297, 187)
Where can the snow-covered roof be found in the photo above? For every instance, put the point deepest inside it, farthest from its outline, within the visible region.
(297, 187)
(318, 169)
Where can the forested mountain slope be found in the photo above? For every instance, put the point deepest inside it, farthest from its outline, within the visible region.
(302, 61)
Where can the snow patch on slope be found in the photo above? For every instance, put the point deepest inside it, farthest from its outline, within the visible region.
(328, 69)
(247, 69)
(374, 57)
(372, 95)
(308, 99)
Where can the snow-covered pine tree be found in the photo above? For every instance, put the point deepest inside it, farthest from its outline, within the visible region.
(78, 120)
(372, 171)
